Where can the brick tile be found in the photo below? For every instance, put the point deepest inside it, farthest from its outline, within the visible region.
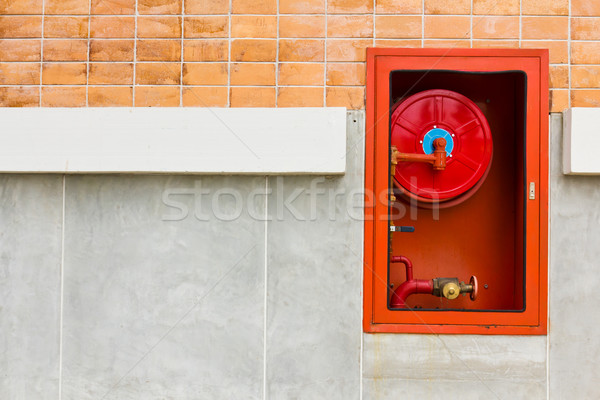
(545, 28)
(19, 96)
(585, 28)
(252, 97)
(65, 50)
(350, 6)
(19, 73)
(205, 74)
(110, 74)
(585, 53)
(398, 7)
(559, 76)
(447, 27)
(20, 50)
(157, 73)
(126, 7)
(545, 7)
(300, 97)
(247, 74)
(397, 43)
(349, 97)
(20, 27)
(112, 27)
(158, 50)
(495, 44)
(159, 7)
(206, 6)
(559, 50)
(301, 50)
(347, 50)
(301, 74)
(205, 50)
(157, 96)
(496, 27)
(65, 27)
(253, 50)
(463, 43)
(205, 96)
(350, 26)
(106, 96)
(447, 7)
(388, 26)
(159, 27)
(54, 96)
(251, 26)
(302, 7)
(254, 6)
(312, 26)
(495, 7)
(66, 7)
(111, 50)
(590, 8)
(559, 100)
(585, 98)
(64, 74)
(585, 76)
(206, 27)
(346, 74)
(20, 7)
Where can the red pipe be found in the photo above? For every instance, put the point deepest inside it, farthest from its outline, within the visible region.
(407, 264)
(410, 286)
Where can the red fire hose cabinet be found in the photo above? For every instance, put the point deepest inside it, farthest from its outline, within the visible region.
(456, 213)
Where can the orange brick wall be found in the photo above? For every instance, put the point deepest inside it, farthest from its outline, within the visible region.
(267, 53)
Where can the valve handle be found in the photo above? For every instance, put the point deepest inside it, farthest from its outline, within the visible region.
(473, 282)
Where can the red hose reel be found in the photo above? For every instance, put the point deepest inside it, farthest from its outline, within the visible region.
(417, 125)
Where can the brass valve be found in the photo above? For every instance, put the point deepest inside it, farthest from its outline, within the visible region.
(450, 288)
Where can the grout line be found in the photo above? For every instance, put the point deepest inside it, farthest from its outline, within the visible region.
(471, 30)
(423, 23)
(181, 57)
(87, 69)
(61, 301)
(298, 15)
(135, 21)
(172, 39)
(42, 52)
(265, 288)
(277, 61)
(520, 24)
(229, 42)
(569, 54)
(325, 55)
(374, 21)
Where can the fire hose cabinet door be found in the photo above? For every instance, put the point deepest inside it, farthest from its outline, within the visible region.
(457, 160)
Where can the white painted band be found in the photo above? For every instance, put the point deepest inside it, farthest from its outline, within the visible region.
(581, 141)
(173, 140)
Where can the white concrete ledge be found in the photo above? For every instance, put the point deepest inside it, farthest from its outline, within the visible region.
(173, 140)
(581, 141)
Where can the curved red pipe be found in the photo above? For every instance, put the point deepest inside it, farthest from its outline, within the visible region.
(407, 264)
(407, 288)
(410, 286)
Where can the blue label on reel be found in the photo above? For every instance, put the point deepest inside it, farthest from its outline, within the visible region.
(434, 134)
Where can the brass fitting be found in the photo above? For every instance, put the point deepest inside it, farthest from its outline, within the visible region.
(450, 288)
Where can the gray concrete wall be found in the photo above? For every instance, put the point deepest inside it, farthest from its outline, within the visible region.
(157, 287)
(574, 362)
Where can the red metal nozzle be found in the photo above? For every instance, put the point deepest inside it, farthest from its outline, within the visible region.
(439, 152)
(437, 158)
